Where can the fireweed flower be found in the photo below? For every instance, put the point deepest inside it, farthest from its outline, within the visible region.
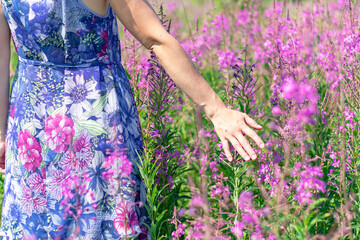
(119, 164)
(118, 170)
(179, 231)
(126, 219)
(309, 182)
(276, 110)
(227, 58)
(250, 216)
(196, 233)
(237, 229)
(196, 201)
(291, 58)
(172, 6)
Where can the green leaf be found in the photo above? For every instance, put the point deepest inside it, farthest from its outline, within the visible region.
(98, 105)
(319, 218)
(57, 158)
(160, 216)
(61, 110)
(92, 126)
(308, 218)
(127, 73)
(78, 127)
(300, 232)
(43, 163)
(50, 110)
(30, 126)
(27, 173)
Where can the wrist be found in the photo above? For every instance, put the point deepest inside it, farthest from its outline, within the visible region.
(213, 106)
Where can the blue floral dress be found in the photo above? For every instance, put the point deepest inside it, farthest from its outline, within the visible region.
(71, 110)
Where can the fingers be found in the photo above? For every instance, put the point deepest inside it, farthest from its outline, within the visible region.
(226, 148)
(235, 130)
(246, 145)
(251, 122)
(249, 132)
(238, 148)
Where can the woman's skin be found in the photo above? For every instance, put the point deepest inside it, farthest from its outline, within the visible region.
(4, 84)
(141, 20)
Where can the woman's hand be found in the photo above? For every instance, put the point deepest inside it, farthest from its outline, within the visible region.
(2, 157)
(231, 125)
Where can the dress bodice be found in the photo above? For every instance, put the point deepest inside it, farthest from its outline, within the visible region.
(62, 32)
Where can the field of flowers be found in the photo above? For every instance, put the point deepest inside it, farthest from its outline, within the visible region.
(293, 67)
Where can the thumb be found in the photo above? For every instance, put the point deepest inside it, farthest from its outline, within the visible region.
(251, 122)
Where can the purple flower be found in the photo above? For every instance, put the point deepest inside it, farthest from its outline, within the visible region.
(309, 182)
(179, 231)
(196, 201)
(244, 201)
(276, 110)
(289, 88)
(237, 229)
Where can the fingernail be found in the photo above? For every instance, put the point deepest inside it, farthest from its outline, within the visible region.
(253, 157)
(247, 158)
(262, 145)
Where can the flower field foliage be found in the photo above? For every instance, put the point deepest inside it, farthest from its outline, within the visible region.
(293, 67)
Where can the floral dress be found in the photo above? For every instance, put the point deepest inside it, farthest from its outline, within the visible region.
(71, 111)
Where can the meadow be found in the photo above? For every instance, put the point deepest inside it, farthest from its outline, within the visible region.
(290, 65)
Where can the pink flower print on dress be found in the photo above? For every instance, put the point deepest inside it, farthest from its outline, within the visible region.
(29, 202)
(59, 132)
(81, 156)
(105, 47)
(12, 111)
(55, 181)
(43, 172)
(36, 183)
(31, 237)
(126, 218)
(29, 150)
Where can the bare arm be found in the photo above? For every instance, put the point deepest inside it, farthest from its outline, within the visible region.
(142, 21)
(4, 73)
(4, 84)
